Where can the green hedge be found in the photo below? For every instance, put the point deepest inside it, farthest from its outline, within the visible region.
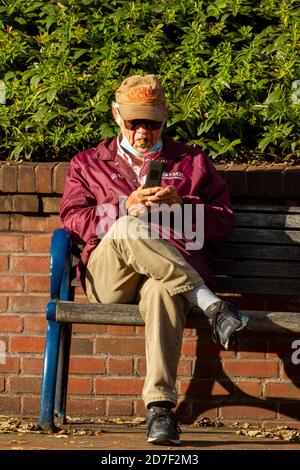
(230, 68)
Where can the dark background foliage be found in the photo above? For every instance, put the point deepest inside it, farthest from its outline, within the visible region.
(231, 69)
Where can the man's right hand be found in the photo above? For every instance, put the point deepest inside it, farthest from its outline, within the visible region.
(136, 201)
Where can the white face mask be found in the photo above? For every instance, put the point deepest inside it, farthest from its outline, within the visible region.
(126, 145)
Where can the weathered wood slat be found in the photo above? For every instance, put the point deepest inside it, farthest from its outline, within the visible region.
(268, 220)
(264, 268)
(127, 314)
(266, 208)
(286, 237)
(258, 286)
(252, 251)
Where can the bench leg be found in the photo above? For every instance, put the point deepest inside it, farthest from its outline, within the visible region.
(62, 373)
(46, 421)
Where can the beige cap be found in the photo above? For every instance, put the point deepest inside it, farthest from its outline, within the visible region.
(141, 97)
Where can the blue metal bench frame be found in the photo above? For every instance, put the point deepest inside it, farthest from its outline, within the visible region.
(57, 348)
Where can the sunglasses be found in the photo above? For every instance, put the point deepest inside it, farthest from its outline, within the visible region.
(134, 124)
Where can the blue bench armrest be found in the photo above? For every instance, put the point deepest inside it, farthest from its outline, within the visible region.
(60, 264)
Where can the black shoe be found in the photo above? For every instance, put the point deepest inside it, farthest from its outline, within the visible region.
(225, 320)
(162, 427)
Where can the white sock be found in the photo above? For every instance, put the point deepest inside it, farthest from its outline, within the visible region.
(201, 296)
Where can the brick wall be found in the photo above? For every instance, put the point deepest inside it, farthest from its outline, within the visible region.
(106, 373)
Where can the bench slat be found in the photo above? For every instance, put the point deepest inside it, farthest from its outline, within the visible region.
(264, 268)
(266, 208)
(287, 237)
(268, 220)
(252, 251)
(127, 314)
(258, 286)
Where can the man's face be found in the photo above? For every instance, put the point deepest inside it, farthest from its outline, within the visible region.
(140, 133)
(141, 139)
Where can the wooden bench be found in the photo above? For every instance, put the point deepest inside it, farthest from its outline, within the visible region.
(262, 257)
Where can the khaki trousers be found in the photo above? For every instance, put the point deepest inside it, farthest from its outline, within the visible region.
(126, 268)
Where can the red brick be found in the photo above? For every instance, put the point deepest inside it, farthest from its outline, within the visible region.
(22, 223)
(2, 384)
(201, 410)
(30, 406)
(32, 365)
(21, 203)
(140, 330)
(254, 389)
(86, 407)
(9, 405)
(290, 370)
(28, 303)
(11, 323)
(10, 283)
(37, 283)
(274, 181)
(204, 388)
(208, 350)
(189, 347)
(292, 178)
(4, 222)
(208, 368)
(51, 205)
(4, 263)
(185, 368)
(120, 366)
(8, 181)
(250, 412)
(119, 330)
(35, 324)
(59, 176)
(80, 346)
(88, 328)
(236, 180)
(140, 367)
(139, 408)
(12, 364)
(252, 349)
(115, 346)
(5, 203)
(283, 390)
(255, 177)
(27, 344)
(43, 172)
(26, 178)
(120, 408)
(112, 386)
(3, 303)
(79, 386)
(23, 384)
(251, 368)
(9, 243)
(38, 243)
(87, 365)
(30, 264)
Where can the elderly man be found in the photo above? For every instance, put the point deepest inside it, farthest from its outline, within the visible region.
(165, 275)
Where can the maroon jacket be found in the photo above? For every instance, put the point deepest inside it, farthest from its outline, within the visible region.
(100, 176)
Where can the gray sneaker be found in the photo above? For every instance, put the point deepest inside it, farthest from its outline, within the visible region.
(225, 320)
(162, 427)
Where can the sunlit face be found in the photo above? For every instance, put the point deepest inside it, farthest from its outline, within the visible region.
(141, 138)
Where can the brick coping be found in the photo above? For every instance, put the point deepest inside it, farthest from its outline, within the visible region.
(274, 181)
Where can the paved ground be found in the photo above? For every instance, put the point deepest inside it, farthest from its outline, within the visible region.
(114, 437)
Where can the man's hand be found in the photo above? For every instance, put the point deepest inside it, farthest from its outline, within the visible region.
(167, 195)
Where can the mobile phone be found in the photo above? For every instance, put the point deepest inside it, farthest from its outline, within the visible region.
(154, 174)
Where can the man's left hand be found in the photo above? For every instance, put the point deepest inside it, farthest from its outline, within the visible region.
(167, 195)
